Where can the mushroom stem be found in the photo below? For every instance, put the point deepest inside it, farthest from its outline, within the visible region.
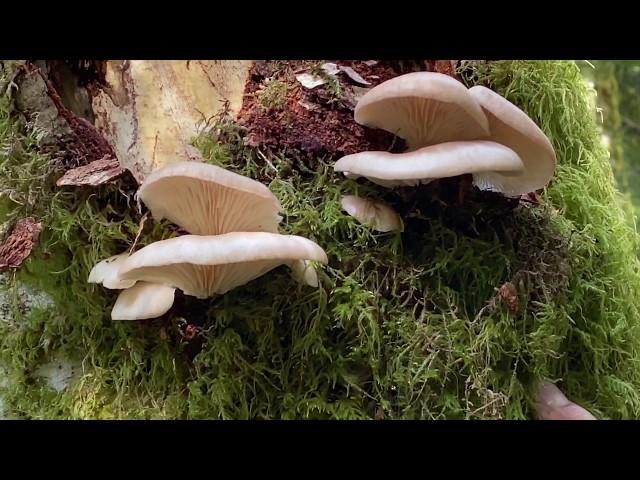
(464, 187)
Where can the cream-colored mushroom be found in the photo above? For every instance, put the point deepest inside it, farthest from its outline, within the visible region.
(423, 108)
(512, 127)
(304, 272)
(142, 301)
(209, 200)
(203, 266)
(490, 164)
(377, 215)
(106, 273)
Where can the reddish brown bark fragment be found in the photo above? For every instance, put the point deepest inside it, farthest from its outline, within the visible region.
(19, 244)
(509, 295)
(94, 174)
(447, 67)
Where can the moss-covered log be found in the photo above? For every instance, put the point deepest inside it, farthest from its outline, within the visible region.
(403, 325)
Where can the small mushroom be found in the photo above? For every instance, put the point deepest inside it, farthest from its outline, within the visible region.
(106, 273)
(203, 266)
(142, 301)
(551, 404)
(304, 272)
(512, 127)
(424, 108)
(377, 215)
(209, 200)
(490, 163)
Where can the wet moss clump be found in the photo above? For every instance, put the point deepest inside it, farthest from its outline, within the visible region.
(404, 325)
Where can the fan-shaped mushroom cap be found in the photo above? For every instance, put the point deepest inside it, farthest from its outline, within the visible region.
(424, 108)
(209, 200)
(106, 273)
(377, 215)
(143, 300)
(512, 127)
(203, 266)
(480, 158)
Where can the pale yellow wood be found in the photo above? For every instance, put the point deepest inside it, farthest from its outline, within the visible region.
(152, 109)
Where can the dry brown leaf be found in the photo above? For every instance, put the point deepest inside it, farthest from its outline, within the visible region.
(94, 174)
(18, 245)
(331, 68)
(310, 81)
(509, 295)
(353, 75)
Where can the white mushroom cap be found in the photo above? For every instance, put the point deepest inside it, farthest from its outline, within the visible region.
(106, 273)
(203, 266)
(377, 215)
(143, 300)
(480, 158)
(209, 200)
(512, 127)
(424, 108)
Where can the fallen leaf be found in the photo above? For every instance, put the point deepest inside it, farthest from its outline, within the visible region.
(353, 75)
(94, 174)
(370, 63)
(331, 68)
(19, 244)
(310, 81)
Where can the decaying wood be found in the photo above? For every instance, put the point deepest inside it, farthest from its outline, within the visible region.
(18, 245)
(89, 144)
(151, 110)
(60, 132)
(447, 67)
(96, 173)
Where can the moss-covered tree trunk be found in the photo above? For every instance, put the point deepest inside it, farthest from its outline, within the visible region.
(457, 317)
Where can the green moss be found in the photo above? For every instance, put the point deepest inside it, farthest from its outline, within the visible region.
(273, 95)
(403, 326)
(332, 86)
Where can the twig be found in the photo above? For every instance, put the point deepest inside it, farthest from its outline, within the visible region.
(140, 228)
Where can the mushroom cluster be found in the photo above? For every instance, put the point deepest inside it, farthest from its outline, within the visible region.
(233, 238)
(450, 130)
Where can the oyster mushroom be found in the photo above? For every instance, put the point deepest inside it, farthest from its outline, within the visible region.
(512, 127)
(106, 273)
(204, 266)
(142, 301)
(377, 215)
(423, 108)
(209, 200)
(490, 164)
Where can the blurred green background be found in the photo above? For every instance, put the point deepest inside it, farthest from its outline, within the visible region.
(616, 85)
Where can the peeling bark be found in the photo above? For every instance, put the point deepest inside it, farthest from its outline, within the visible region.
(19, 244)
(96, 173)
